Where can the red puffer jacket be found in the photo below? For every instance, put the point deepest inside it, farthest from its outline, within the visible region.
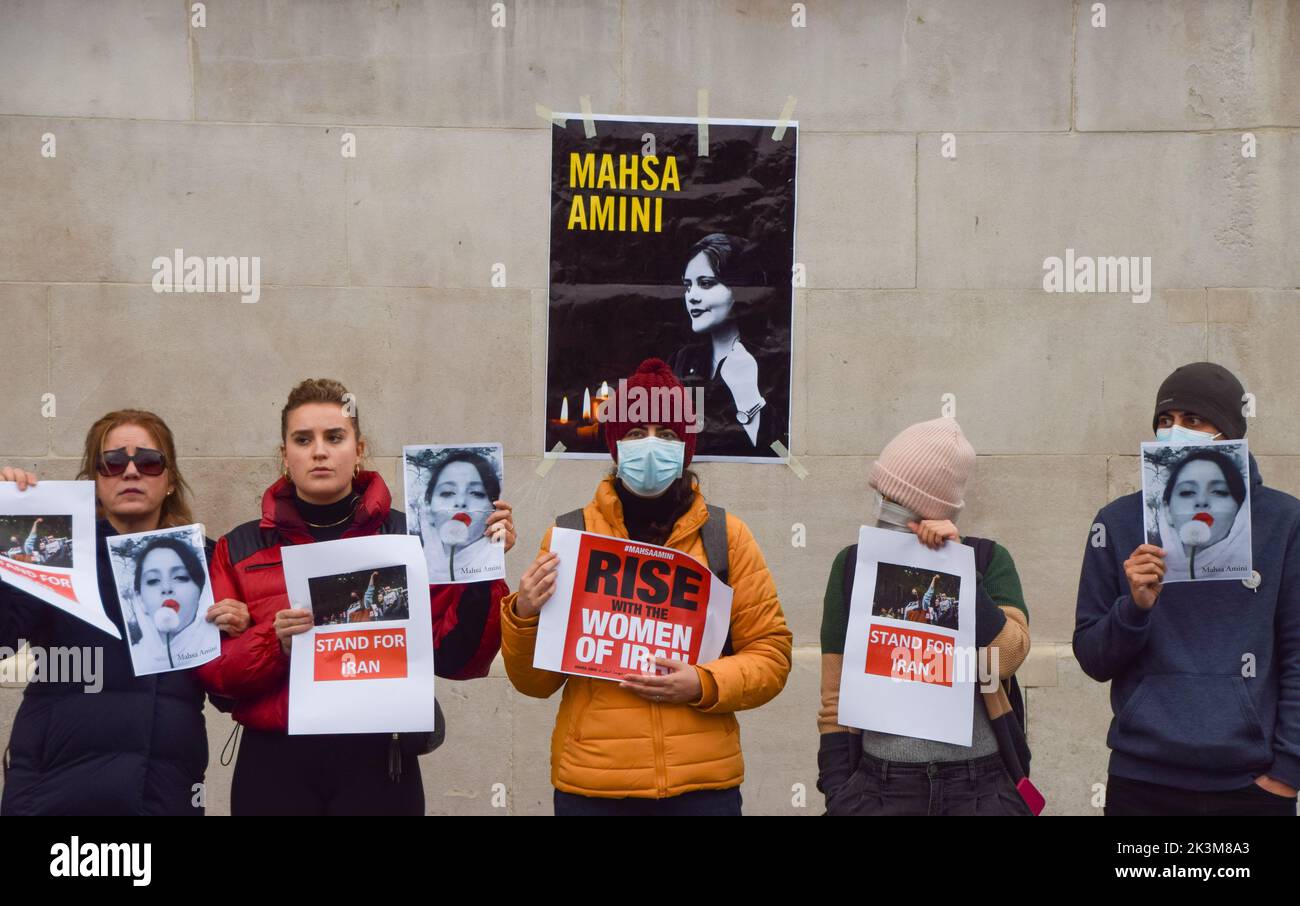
(254, 671)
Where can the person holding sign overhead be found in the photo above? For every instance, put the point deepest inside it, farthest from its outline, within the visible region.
(1204, 675)
(138, 745)
(663, 742)
(325, 494)
(920, 481)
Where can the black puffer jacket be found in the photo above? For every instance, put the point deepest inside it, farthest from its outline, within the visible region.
(138, 746)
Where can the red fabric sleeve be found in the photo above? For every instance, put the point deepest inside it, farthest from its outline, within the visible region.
(251, 664)
(466, 627)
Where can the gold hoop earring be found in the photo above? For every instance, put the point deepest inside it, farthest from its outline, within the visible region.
(356, 470)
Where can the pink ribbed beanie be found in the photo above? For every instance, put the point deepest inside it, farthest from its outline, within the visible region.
(925, 468)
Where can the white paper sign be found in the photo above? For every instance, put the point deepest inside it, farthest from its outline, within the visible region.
(618, 604)
(47, 547)
(450, 489)
(1196, 507)
(909, 656)
(367, 664)
(163, 585)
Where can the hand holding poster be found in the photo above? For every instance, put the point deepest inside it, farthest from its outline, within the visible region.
(450, 490)
(162, 582)
(47, 547)
(619, 604)
(1196, 506)
(366, 666)
(909, 656)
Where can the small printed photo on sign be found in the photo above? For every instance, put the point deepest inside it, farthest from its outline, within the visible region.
(450, 489)
(1196, 507)
(162, 582)
(39, 540)
(365, 596)
(916, 595)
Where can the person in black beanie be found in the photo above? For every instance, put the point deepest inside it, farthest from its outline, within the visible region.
(1205, 676)
(1201, 394)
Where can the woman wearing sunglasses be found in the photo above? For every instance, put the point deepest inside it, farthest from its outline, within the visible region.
(135, 745)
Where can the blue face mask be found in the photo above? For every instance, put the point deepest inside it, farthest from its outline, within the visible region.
(648, 465)
(1180, 435)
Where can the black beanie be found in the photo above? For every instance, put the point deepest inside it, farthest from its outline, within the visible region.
(1209, 390)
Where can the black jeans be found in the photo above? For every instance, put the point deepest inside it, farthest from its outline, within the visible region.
(1137, 797)
(980, 786)
(699, 803)
(330, 774)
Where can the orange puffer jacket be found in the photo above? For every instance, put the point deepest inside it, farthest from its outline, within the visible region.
(609, 741)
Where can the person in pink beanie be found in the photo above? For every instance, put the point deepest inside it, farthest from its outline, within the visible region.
(920, 480)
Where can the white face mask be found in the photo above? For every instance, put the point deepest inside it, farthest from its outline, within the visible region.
(1180, 435)
(893, 515)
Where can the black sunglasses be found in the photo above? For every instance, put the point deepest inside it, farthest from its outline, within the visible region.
(147, 462)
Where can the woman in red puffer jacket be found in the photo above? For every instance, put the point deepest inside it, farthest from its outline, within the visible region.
(323, 495)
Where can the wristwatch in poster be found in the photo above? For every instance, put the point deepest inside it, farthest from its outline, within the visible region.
(748, 415)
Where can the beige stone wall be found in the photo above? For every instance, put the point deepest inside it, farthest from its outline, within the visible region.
(924, 273)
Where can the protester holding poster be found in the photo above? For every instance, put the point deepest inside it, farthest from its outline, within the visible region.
(126, 744)
(1204, 675)
(664, 742)
(324, 494)
(920, 481)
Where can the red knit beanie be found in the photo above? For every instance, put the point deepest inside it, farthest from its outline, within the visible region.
(645, 407)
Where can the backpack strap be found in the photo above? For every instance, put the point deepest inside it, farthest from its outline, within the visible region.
(850, 568)
(983, 551)
(714, 535)
(395, 524)
(574, 519)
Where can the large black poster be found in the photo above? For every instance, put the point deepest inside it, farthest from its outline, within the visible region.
(658, 250)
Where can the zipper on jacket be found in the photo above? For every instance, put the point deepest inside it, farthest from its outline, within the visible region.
(661, 766)
(394, 759)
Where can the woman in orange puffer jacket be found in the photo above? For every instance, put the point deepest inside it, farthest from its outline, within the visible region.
(654, 745)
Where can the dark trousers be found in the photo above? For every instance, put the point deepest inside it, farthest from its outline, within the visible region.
(334, 774)
(1137, 797)
(699, 803)
(980, 786)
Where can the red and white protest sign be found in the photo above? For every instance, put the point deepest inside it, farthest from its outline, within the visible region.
(910, 661)
(359, 654)
(619, 604)
(48, 547)
(907, 654)
(366, 665)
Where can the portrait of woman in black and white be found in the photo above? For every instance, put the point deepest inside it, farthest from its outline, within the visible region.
(1198, 509)
(450, 493)
(743, 369)
(165, 580)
